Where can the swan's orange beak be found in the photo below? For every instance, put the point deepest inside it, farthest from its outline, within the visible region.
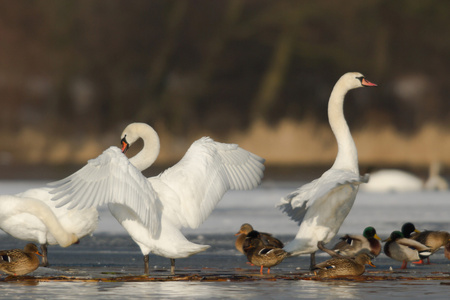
(125, 145)
(366, 82)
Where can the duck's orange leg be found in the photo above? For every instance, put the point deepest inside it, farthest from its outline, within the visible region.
(420, 262)
(404, 264)
(261, 271)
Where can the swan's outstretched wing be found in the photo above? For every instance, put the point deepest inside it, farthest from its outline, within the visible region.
(110, 178)
(204, 174)
(297, 203)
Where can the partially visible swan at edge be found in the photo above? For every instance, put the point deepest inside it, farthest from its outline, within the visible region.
(182, 196)
(399, 181)
(32, 216)
(321, 206)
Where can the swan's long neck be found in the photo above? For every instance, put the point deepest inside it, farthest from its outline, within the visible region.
(46, 215)
(347, 157)
(147, 156)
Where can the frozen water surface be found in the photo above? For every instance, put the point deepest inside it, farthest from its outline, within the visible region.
(110, 252)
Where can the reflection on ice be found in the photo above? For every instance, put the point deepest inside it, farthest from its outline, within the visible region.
(224, 290)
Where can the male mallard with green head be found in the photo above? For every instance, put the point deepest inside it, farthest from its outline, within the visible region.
(351, 245)
(432, 239)
(403, 249)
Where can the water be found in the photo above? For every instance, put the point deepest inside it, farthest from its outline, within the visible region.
(111, 253)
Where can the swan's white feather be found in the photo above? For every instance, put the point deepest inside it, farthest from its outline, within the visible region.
(153, 210)
(182, 196)
(32, 216)
(110, 178)
(296, 204)
(203, 175)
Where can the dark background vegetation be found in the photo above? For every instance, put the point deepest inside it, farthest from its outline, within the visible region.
(68, 68)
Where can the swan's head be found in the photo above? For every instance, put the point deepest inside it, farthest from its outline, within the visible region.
(353, 80)
(132, 133)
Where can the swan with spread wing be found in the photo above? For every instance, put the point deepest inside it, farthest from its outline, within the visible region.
(153, 210)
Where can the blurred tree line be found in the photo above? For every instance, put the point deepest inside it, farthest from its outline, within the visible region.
(68, 65)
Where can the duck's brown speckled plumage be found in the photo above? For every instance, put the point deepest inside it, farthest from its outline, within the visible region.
(343, 266)
(19, 262)
(260, 255)
(266, 238)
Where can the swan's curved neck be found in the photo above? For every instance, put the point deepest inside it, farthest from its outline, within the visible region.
(147, 156)
(46, 215)
(347, 157)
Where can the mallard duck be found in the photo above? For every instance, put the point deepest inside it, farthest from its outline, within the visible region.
(402, 249)
(19, 262)
(260, 255)
(350, 245)
(267, 238)
(321, 206)
(343, 266)
(432, 239)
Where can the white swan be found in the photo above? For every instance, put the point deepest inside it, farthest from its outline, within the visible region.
(392, 180)
(321, 206)
(32, 216)
(182, 196)
(399, 181)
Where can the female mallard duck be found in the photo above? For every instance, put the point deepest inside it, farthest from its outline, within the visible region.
(350, 245)
(266, 238)
(340, 265)
(260, 255)
(19, 262)
(432, 239)
(402, 249)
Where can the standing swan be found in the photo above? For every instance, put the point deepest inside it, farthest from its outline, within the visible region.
(321, 206)
(154, 210)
